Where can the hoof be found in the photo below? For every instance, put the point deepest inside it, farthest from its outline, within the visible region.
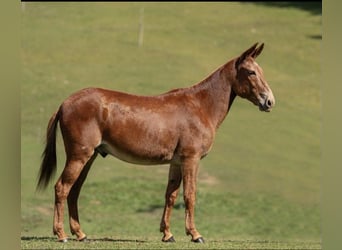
(171, 239)
(84, 239)
(63, 240)
(198, 240)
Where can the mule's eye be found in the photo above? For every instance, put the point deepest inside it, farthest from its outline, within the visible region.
(251, 72)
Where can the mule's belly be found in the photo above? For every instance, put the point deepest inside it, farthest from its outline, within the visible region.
(143, 157)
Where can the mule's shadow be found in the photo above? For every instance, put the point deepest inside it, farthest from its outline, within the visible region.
(104, 239)
(28, 238)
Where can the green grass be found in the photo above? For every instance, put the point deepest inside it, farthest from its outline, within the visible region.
(259, 188)
(114, 243)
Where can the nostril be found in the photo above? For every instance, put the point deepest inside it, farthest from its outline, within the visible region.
(269, 103)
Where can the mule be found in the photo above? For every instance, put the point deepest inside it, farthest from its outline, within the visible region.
(176, 128)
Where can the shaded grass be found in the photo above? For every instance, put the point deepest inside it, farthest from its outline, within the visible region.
(261, 182)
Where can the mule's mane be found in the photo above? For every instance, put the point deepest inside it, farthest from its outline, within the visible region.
(207, 82)
(214, 92)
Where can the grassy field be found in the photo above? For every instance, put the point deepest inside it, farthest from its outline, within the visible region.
(259, 188)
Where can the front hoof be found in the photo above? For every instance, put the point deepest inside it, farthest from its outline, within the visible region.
(198, 240)
(65, 240)
(171, 239)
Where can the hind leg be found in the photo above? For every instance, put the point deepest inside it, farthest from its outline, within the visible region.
(69, 176)
(72, 201)
(175, 178)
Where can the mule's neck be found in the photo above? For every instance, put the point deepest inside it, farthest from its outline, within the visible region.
(216, 93)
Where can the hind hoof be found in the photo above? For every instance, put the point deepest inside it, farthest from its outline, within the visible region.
(63, 240)
(198, 240)
(84, 239)
(171, 239)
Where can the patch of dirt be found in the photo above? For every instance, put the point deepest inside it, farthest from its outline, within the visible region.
(44, 210)
(206, 178)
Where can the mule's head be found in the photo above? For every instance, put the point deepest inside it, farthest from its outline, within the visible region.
(250, 81)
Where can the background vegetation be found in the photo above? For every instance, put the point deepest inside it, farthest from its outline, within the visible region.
(260, 185)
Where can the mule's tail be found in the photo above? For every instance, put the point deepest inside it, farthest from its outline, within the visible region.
(49, 161)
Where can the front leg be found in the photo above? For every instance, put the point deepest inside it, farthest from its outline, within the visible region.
(189, 171)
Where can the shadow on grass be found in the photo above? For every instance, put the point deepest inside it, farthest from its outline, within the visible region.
(153, 208)
(29, 238)
(317, 37)
(105, 239)
(314, 8)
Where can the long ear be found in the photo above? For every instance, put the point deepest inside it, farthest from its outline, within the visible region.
(257, 51)
(246, 54)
